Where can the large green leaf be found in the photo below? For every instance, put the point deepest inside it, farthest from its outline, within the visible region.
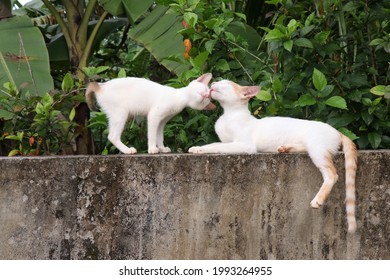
(158, 32)
(134, 9)
(25, 56)
(246, 32)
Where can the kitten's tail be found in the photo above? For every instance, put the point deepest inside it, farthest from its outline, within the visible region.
(350, 152)
(90, 95)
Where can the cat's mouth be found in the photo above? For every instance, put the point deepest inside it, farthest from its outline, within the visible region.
(209, 93)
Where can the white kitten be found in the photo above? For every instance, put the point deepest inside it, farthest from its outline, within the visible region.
(124, 97)
(240, 132)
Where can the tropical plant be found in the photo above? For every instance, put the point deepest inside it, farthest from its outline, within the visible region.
(24, 60)
(325, 67)
(36, 125)
(312, 60)
(325, 60)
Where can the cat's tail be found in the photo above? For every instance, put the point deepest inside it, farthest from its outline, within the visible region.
(350, 152)
(90, 95)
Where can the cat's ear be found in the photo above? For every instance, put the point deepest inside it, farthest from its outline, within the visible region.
(205, 78)
(250, 92)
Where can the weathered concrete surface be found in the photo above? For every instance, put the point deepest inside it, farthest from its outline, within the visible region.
(188, 207)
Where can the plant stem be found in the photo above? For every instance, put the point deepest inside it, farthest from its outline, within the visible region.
(88, 47)
(7, 71)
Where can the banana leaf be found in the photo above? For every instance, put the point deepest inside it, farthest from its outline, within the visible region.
(134, 9)
(158, 32)
(24, 57)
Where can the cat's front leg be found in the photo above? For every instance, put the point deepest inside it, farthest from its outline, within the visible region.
(160, 136)
(196, 150)
(224, 148)
(153, 125)
(164, 150)
(203, 149)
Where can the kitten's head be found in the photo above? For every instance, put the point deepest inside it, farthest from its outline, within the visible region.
(228, 92)
(200, 93)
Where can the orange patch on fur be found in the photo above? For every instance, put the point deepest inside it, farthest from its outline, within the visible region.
(237, 88)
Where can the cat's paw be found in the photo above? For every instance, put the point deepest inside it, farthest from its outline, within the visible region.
(153, 150)
(165, 150)
(315, 203)
(130, 151)
(196, 150)
(283, 149)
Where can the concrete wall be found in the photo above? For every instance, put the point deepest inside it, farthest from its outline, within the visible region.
(188, 207)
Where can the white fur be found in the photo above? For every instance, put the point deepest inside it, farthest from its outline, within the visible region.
(240, 132)
(124, 97)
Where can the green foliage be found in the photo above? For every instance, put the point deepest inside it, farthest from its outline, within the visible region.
(313, 61)
(319, 60)
(323, 56)
(36, 125)
(24, 59)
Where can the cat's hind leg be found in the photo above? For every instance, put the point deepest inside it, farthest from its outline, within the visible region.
(116, 126)
(324, 163)
(291, 148)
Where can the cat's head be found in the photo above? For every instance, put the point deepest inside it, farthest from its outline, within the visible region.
(200, 93)
(228, 92)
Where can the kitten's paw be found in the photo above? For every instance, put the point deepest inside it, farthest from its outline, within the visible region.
(165, 150)
(315, 203)
(153, 150)
(130, 151)
(196, 150)
(283, 149)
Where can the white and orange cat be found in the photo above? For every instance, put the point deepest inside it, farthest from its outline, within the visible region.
(122, 98)
(240, 132)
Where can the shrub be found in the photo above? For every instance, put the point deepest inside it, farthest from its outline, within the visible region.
(315, 60)
(37, 125)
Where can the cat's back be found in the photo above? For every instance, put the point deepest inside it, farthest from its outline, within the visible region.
(294, 125)
(130, 85)
(285, 130)
(135, 95)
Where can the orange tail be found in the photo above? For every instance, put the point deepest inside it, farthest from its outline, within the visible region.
(90, 95)
(349, 149)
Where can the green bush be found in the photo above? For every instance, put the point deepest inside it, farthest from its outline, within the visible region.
(320, 60)
(315, 60)
(38, 125)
